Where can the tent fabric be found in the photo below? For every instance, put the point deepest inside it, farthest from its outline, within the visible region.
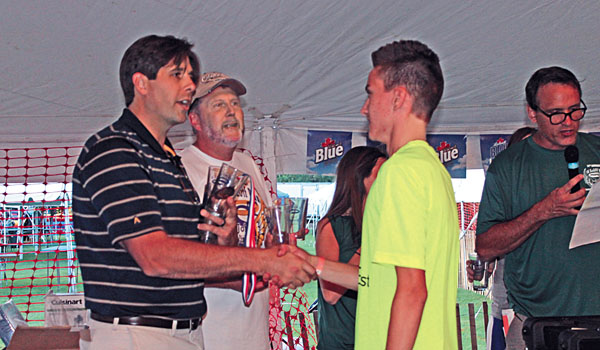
(304, 62)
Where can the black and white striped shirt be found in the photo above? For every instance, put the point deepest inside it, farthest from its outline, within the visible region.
(124, 186)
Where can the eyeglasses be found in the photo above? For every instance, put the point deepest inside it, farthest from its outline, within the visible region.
(559, 117)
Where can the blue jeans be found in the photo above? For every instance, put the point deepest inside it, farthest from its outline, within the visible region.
(498, 342)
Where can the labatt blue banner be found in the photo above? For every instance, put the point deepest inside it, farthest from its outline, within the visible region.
(452, 151)
(491, 145)
(324, 149)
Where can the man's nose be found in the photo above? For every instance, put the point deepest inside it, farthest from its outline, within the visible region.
(364, 107)
(189, 83)
(568, 121)
(230, 110)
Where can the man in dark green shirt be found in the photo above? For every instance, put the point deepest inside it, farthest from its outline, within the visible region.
(528, 211)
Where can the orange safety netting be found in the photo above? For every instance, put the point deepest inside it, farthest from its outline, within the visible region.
(467, 215)
(37, 244)
(37, 248)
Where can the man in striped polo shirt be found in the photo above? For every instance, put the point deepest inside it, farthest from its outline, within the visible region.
(136, 215)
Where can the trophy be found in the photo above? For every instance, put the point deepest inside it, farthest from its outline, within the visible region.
(298, 215)
(279, 221)
(226, 184)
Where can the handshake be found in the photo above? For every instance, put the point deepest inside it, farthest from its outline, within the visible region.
(288, 265)
(293, 267)
(281, 264)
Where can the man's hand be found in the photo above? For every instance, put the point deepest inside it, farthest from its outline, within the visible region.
(290, 269)
(342, 274)
(301, 233)
(226, 230)
(471, 272)
(561, 202)
(268, 239)
(299, 252)
(504, 237)
(262, 283)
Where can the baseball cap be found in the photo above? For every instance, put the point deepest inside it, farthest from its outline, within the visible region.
(210, 81)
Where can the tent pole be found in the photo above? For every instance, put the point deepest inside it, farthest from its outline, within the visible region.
(268, 140)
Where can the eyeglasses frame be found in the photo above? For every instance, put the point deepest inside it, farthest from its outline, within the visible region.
(566, 114)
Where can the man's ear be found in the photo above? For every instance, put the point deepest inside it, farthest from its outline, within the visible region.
(531, 114)
(140, 83)
(195, 120)
(400, 96)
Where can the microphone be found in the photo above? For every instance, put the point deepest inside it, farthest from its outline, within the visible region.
(572, 159)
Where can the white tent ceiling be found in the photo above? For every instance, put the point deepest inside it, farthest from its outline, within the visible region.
(59, 75)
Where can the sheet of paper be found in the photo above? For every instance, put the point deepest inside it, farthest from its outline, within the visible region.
(587, 224)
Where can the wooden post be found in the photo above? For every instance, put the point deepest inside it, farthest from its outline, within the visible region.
(303, 332)
(288, 328)
(458, 327)
(472, 326)
(485, 317)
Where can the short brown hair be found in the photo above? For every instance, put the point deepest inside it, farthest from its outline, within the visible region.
(412, 64)
(543, 76)
(148, 54)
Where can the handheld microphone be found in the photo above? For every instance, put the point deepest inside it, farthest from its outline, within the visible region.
(572, 159)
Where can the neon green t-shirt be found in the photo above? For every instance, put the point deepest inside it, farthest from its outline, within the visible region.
(411, 221)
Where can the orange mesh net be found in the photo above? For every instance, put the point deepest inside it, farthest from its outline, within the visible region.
(467, 215)
(37, 248)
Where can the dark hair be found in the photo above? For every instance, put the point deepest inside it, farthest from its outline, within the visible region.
(148, 54)
(520, 135)
(350, 191)
(414, 65)
(545, 76)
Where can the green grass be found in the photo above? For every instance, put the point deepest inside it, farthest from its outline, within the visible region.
(463, 298)
(27, 278)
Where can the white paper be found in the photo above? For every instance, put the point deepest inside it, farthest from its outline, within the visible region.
(65, 310)
(587, 223)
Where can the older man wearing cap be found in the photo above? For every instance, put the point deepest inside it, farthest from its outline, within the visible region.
(234, 320)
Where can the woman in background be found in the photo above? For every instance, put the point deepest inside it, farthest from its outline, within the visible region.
(338, 239)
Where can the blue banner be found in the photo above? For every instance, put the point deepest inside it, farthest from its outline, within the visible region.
(324, 149)
(491, 145)
(452, 152)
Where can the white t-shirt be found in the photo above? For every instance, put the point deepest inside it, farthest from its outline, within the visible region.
(229, 324)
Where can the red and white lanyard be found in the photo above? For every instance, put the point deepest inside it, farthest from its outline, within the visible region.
(249, 279)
